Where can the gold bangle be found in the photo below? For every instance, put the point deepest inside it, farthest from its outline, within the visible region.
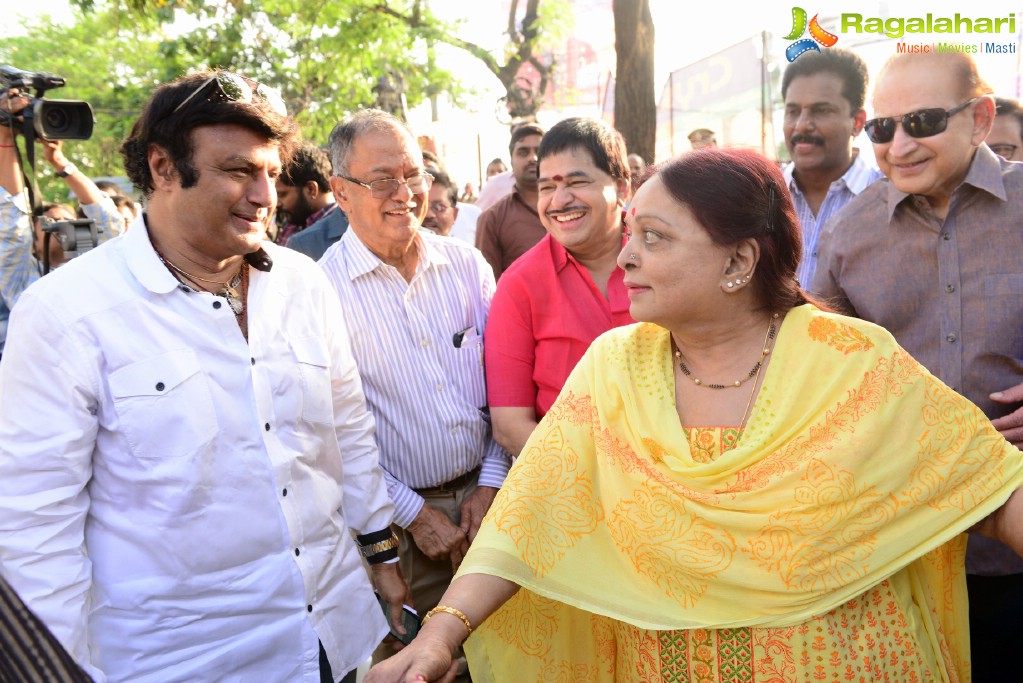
(452, 611)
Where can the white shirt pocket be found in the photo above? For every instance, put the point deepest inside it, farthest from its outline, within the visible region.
(164, 406)
(314, 367)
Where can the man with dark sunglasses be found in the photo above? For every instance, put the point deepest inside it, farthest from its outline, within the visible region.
(185, 448)
(934, 256)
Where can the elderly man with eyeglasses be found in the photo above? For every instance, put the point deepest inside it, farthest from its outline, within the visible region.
(185, 448)
(934, 256)
(416, 305)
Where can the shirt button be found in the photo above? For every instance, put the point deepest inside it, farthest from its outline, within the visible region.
(252, 360)
(951, 338)
(425, 342)
(297, 552)
(216, 304)
(440, 386)
(159, 386)
(267, 426)
(284, 492)
(950, 288)
(309, 608)
(454, 431)
(946, 236)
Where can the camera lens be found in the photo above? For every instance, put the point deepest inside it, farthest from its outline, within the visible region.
(63, 119)
(56, 120)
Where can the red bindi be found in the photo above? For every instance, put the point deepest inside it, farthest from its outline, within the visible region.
(557, 178)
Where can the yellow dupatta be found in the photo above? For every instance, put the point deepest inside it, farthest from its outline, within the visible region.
(855, 464)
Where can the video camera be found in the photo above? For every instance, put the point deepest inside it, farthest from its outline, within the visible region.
(76, 236)
(49, 119)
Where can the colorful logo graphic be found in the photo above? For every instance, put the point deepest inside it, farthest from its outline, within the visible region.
(817, 35)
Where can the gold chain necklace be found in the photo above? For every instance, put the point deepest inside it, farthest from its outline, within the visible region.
(229, 291)
(772, 330)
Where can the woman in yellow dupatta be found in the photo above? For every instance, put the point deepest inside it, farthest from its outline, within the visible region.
(741, 488)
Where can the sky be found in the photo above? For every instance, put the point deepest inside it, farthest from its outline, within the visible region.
(684, 34)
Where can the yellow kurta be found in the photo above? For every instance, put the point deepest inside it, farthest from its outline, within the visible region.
(824, 544)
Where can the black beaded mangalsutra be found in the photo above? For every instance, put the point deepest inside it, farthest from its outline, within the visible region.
(771, 332)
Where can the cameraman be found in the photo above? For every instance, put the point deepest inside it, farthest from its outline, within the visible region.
(21, 252)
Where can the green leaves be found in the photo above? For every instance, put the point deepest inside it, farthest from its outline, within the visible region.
(324, 57)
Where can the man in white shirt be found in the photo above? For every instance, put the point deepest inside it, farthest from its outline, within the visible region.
(184, 441)
(416, 305)
(824, 93)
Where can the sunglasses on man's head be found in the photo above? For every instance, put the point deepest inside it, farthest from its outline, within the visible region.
(235, 88)
(917, 124)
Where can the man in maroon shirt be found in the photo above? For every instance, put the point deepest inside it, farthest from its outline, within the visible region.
(567, 290)
(508, 229)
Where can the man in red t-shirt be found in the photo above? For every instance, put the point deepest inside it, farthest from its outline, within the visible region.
(567, 290)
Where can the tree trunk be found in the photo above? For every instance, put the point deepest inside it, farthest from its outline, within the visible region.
(635, 107)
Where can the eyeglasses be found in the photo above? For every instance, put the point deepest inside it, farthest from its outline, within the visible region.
(439, 207)
(235, 88)
(917, 124)
(386, 187)
(1004, 150)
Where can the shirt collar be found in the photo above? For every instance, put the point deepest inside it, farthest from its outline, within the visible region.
(320, 215)
(984, 173)
(360, 260)
(142, 260)
(559, 254)
(517, 196)
(856, 178)
(860, 175)
(148, 269)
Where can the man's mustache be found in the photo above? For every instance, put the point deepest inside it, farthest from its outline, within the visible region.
(812, 139)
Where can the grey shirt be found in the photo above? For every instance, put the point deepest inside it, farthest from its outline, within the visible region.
(950, 291)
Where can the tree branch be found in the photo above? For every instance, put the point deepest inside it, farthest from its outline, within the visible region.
(416, 21)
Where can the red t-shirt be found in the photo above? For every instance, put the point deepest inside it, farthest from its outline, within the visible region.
(544, 314)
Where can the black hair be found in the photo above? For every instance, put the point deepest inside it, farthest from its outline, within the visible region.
(525, 130)
(599, 138)
(845, 64)
(161, 124)
(308, 163)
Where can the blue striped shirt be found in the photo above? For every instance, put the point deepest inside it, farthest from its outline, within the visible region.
(425, 392)
(859, 176)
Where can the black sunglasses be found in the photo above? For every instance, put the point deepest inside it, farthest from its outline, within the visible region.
(235, 88)
(917, 124)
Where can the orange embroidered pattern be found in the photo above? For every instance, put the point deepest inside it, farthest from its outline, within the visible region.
(824, 540)
(950, 425)
(886, 380)
(573, 409)
(840, 336)
(529, 623)
(621, 454)
(707, 444)
(680, 552)
(868, 639)
(560, 506)
(579, 410)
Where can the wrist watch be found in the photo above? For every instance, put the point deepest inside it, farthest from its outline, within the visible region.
(68, 170)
